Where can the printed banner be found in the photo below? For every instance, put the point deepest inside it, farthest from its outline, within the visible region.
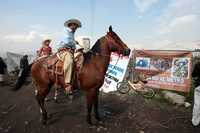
(165, 69)
(115, 73)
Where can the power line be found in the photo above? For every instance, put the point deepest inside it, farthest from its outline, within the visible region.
(93, 2)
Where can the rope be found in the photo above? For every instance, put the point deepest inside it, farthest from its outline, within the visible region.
(95, 53)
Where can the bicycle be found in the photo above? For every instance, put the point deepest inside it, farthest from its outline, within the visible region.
(138, 86)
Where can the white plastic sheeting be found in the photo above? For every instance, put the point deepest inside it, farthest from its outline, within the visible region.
(84, 42)
(13, 60)
(196, 108)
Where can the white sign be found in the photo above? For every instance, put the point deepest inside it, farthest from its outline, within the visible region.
(115, 73)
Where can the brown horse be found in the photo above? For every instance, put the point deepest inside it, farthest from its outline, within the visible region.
(89, 78)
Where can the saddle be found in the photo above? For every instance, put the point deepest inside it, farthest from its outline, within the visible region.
(55, 64)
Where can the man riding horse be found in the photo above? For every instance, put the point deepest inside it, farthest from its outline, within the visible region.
(66, 49)
(89, 78)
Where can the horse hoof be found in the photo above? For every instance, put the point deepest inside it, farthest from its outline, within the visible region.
(98, 118)
(47, 99)
(55, 100)
(92, 126)
(71, 97)
(100, 122)
(89, 122)
(44, 122)
(49, 116)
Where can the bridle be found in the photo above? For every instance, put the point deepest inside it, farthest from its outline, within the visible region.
(109, 41)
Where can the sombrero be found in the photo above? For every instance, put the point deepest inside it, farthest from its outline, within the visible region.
(72, 21)
(46, 40)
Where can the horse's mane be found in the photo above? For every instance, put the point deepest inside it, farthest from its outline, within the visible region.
(95, 49)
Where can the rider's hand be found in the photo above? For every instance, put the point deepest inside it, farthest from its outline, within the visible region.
(77, 42)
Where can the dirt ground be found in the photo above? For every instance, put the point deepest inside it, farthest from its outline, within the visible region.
(19, 113)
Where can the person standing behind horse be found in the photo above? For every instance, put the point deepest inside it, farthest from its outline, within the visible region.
(196, 107)
(3, 68)
(23, 64)
(45, 50)
(66, 49)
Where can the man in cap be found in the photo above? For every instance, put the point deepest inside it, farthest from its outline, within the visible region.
(66, 49)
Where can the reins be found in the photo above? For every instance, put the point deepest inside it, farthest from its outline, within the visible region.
(95, 53)
(98, 54)
(104, 55)
(113, 67)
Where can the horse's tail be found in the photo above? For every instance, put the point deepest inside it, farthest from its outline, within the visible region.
(22, 78)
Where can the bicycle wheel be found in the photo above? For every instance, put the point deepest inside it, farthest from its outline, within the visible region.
(148, 92)
(123, 87)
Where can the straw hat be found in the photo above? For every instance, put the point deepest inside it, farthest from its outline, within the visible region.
(72, 21)
(46, 40)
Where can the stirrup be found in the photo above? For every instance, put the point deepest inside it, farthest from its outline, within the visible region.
(68, 92)
(68, 89)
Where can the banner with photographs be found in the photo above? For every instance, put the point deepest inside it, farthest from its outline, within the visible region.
(165, 69)
(115, 73)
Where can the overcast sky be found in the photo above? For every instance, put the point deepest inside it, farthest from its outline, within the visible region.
(148, 24)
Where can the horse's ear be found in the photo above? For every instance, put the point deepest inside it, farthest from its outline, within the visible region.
(110, 28)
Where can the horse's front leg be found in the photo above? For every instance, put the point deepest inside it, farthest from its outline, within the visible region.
(96, 106)
(90, 101)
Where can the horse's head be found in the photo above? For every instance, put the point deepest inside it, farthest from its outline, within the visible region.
(116, 44)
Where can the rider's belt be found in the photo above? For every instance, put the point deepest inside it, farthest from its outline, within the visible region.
(66, 49)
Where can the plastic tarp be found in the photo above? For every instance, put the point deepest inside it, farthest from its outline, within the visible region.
(13, 60)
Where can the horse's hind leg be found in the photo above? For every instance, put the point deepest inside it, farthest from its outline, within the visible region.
(56, 95)
(40, 100)
(40, 97)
